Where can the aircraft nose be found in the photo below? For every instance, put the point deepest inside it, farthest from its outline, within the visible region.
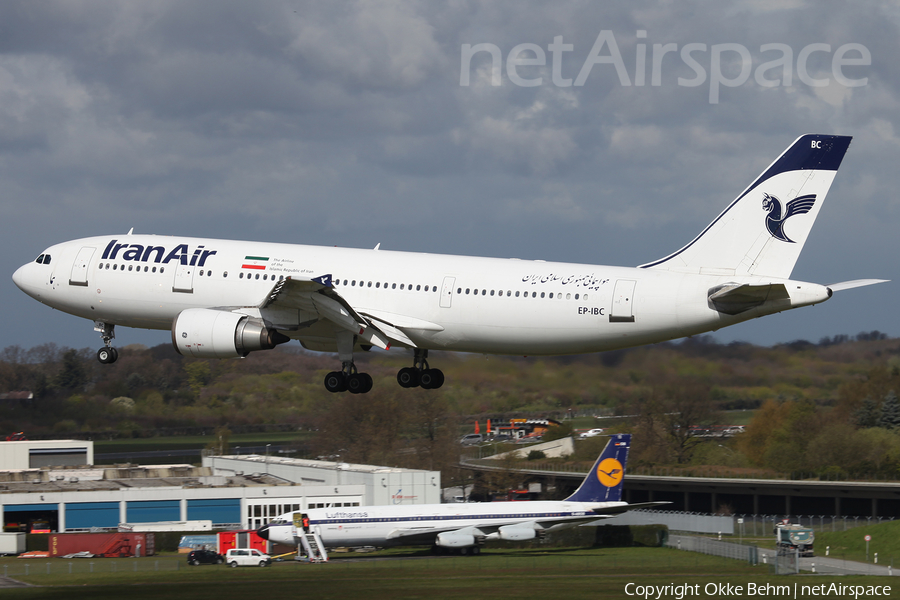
(19, 277)
(263, 532)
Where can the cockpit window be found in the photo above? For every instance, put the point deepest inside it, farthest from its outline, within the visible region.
(40, 259)
(46, 259)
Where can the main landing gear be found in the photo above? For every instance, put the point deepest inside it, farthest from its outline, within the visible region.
(348, 379)
(107, 354)
(420, 375)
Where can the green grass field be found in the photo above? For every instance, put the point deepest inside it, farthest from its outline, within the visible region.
(851, 544)
(542, 574)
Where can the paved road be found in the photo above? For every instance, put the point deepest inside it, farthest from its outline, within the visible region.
(6, 582)
(837, 566)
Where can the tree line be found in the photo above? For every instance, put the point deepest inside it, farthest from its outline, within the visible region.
(828, 409)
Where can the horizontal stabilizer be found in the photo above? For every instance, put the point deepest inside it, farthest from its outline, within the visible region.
(735, 298)
(617, 510)
(849, 285)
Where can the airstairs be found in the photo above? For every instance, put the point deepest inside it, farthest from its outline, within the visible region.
(314, 548)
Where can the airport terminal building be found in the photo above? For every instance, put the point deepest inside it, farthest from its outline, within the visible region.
(231, 491)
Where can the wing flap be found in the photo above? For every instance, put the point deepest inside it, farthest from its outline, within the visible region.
(317, 296)
(400, 321)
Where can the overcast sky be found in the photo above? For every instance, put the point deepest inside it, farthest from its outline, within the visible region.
(358, 123)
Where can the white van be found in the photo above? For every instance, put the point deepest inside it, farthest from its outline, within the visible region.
(247, 557)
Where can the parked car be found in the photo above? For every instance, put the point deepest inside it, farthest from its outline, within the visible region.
(247, 557)
(205, 557)
(590, 433)
(471, 439)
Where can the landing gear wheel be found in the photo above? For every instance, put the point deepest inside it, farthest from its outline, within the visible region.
(408, 377)
(335, 382)
(431, 379)
(359, 383)
(107, 355)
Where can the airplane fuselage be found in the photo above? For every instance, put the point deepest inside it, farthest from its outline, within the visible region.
(410, 525)
(224, 298)
(443, 302)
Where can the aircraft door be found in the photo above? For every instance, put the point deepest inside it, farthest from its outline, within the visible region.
(447, 291)
(298, 524)
(80, 267)
(184, 279)
(622, 302)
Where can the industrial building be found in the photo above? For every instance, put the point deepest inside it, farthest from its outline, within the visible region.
(36, 454)
(231, 491)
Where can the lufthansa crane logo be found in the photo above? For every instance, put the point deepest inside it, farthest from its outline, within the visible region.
(610, 472)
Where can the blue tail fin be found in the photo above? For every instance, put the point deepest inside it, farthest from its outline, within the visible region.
(604, 482)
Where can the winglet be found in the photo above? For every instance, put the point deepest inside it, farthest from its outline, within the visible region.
(324, 280)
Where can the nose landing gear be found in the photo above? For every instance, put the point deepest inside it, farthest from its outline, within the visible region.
(107, 354)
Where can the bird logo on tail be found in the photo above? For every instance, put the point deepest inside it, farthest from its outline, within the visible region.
(775, 220)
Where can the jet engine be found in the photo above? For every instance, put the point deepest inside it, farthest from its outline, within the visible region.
(208, 333)
(514, 533)
(454, 539)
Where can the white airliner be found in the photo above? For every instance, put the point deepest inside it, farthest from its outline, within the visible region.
(464, 526)
(224, 298)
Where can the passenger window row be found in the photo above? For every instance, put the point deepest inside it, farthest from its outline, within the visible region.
(510, 293)
(118, 267)
(379, 285)
(148, 269)
(265, 276)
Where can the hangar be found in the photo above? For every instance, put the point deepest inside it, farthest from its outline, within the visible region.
(231, 491)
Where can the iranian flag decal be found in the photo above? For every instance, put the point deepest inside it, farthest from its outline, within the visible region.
(255, 262)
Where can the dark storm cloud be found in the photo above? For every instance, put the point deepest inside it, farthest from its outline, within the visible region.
(345, 123)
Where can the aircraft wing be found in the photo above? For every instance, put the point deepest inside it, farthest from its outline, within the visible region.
(317, 298)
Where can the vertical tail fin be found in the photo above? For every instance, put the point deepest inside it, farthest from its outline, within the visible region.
(604, 482)
(754, 235)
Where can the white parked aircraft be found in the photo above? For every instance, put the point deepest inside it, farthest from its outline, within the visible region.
(459, 525)
(223, 298)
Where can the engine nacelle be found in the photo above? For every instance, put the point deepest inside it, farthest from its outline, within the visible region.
(452, 539)
(512, 533)
(208, 333)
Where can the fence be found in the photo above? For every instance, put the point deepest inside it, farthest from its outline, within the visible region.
(677, 521)
(715, 548)
(763, 525)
